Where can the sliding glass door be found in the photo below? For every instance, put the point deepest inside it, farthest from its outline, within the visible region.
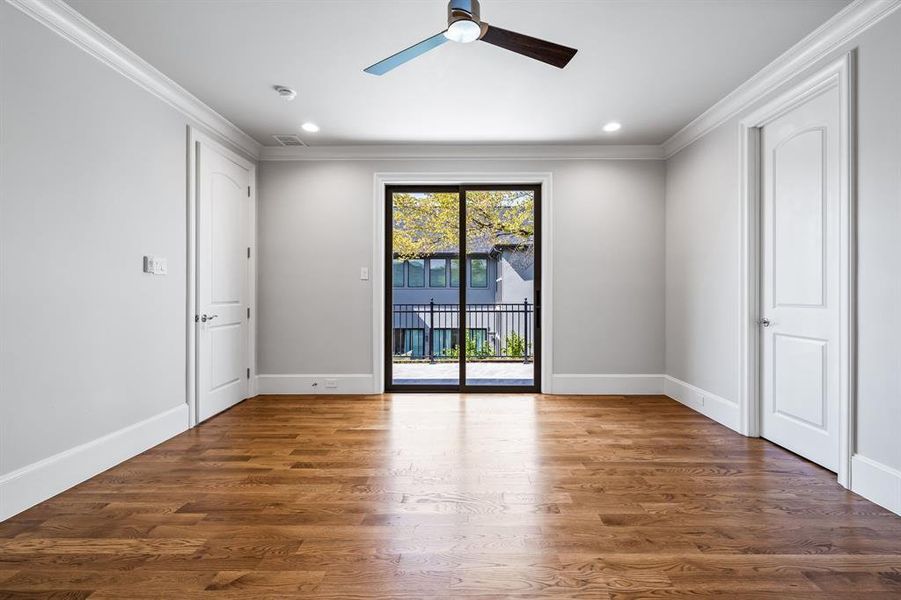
(463, 296)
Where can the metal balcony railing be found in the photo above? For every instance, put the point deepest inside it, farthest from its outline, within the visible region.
(494, 332)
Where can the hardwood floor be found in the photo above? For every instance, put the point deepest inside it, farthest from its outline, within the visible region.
(446, 496)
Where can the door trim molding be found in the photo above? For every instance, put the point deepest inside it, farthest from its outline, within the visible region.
(195, 137)
(383, 179)
(839, 74)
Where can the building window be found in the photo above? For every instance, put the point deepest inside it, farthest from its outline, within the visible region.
(444, 340)
(478, 336)
(478, 268)
(437, 272)
(409, 342)
(416, 273)
(398, 273)
(455, 272)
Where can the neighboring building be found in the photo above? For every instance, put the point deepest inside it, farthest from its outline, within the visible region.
(499, 299)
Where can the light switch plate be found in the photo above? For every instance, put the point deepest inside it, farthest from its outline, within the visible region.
(155, 265)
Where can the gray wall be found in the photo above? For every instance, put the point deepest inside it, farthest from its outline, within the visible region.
(93, 177)
(702, 262)
(702, 230)
(315, 314)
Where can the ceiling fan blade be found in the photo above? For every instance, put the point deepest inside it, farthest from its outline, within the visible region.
(547, 52)
(382, 67)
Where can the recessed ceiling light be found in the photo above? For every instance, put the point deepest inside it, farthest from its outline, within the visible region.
(612, 126)
(310, 127)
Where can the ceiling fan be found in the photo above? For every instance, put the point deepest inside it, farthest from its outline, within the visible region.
(464, 26)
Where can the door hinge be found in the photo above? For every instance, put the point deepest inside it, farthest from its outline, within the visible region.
(248, 312)
(248, 191)
(248, 372)
(248, 252)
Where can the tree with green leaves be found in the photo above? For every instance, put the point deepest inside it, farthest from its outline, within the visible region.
(429, 223)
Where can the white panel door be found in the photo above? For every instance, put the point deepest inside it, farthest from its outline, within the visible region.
(223, 233)
(800, 318)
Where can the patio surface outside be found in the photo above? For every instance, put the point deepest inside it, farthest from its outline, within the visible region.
(477, 373)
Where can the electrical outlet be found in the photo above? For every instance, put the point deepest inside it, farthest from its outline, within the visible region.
(364, 273)
(331, 384)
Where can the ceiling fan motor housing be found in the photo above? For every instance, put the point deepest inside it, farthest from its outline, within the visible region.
(459, 10)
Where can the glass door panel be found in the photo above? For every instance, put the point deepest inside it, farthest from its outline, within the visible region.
(502, 257)
(423, 312)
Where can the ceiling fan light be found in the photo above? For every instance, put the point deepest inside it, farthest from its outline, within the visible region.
(463, 31)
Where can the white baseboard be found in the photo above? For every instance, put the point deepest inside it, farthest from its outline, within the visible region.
(365, 384)
(724, 412)
(876, 482)
(316, 384)
(605, 385)
(25, 487)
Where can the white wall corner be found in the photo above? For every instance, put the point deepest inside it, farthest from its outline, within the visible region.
(876, 482)
(721, 410)
(71, 25)
(318, 385)
(34, 483)
(606, 385)
(847, 24)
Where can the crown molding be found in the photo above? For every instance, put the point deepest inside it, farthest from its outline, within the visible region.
(462, 152)
(59, 17)
(68, 23)
(848, 23)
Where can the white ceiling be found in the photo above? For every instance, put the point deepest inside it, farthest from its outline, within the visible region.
(654, 65)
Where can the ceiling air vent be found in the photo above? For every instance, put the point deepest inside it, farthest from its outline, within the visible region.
(289, 140)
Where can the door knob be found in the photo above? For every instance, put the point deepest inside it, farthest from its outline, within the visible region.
(764, 322)
(205, 318)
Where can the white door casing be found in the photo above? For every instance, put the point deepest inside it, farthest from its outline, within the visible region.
(224, 222)
(799, 283)
(383, 179)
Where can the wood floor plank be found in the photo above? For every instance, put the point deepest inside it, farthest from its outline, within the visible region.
(456, 496)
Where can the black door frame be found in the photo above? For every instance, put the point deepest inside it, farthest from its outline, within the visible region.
(388, 271)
